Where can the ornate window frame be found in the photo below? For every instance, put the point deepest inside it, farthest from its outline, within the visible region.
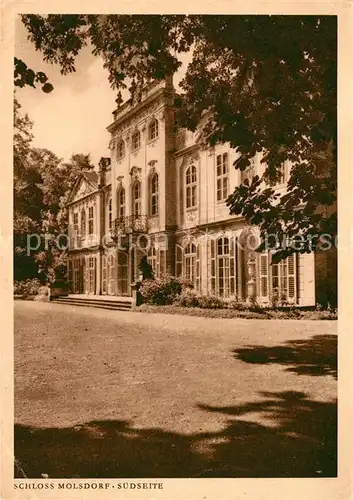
(136, 201)
(153, 129)
(222, 177)
(153, 194)
(135, 140)
(120, 149)
(190, 186)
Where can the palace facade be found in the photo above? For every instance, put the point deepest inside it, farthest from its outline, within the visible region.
(162, 193)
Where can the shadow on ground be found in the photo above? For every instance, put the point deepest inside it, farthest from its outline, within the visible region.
(314, 356)
(295, 437)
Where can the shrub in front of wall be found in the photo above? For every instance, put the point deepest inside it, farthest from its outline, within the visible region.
(187, 298)
(236, 304)
(162, 291)
(190, 298)
(27, 287)
(211, 302)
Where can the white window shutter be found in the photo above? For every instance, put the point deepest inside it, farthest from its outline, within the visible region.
(292, 279)
(198, 267)
(213, 266)
(263, 276)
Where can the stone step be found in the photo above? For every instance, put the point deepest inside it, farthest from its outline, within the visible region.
(115, 305)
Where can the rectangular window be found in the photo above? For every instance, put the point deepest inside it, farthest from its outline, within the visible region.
(121, 198)
(153, 195)
(90, 221)
(136, 141)
(153, 130)
(222, 177)
(77, 240)
(178, 261)
(198, 268)
(283, 278)
(278, 281)
(213, 266)
(76, 223)
(190, 187)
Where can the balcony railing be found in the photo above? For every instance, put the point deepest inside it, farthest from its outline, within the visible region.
(130, 224)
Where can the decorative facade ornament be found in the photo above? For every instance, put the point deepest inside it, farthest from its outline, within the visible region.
(251, 282)
(104, 163)
(162, 115)
(126, 136)
(83, 190)
(119, 181)
(112, 144)
(192, 158)
(135, 173)
(191, 216)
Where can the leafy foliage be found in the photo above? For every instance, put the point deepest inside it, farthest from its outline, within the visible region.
(191, 298)
(26, 76)
(42, 183)
(264, 84)
(162, 291)
(27, 287)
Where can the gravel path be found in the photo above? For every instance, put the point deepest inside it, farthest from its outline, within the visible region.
(126, 394)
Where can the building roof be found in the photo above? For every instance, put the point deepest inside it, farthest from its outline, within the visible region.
(91, 176)
(92, 180)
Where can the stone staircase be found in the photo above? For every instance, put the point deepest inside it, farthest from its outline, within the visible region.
(113, 303)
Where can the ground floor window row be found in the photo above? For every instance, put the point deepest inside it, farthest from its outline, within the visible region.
(82, 274)
(220, 267)
(228, 270)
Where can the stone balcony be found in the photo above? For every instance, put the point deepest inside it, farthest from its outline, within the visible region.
(131, 224)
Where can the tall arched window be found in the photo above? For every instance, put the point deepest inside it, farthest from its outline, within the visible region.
(225, 267)
(110, 214)
(153, 130)
(121, 202)
(135, 140)
(136, 198)
(83, 222)
(120, 150)
(190, 187)
(178, 260)
(190, 263)
(153, 195)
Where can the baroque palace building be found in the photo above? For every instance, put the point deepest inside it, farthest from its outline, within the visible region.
(163, 194)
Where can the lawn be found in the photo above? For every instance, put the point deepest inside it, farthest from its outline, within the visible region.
(126, 394)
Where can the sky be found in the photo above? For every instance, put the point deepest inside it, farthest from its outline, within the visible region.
(74, 116)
